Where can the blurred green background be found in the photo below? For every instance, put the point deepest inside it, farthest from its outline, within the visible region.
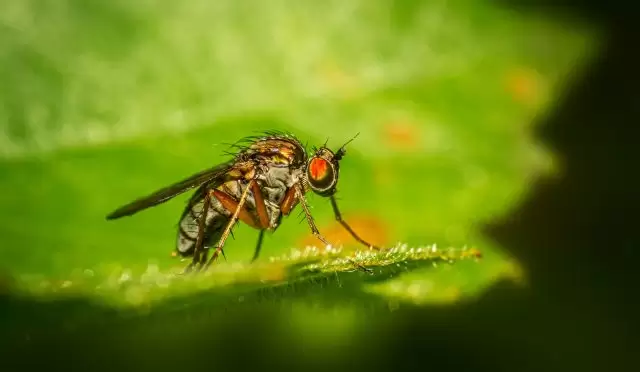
(102, 102)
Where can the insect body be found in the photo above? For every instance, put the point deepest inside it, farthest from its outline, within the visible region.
(264, 181)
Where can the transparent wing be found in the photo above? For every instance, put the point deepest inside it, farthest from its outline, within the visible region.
(217, 175)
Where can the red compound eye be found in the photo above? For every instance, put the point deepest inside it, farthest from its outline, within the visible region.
(321, 175)
(318, 169)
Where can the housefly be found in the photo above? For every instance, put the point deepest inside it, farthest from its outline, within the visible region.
(265, 180)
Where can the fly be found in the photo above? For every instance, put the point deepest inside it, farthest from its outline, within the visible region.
(265, 180)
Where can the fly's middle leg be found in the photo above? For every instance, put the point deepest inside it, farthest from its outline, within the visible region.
(305, 207)
(258, 246)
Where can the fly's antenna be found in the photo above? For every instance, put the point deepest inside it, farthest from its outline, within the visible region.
(342, 150)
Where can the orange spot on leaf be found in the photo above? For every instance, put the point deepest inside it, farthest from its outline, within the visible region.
(523, 85)
(368, 228)
(401, 134)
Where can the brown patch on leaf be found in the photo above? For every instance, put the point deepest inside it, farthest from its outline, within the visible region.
(368, 228)
(524, 85)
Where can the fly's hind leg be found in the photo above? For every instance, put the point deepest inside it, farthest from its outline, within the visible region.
(199, 255)
(232, 222)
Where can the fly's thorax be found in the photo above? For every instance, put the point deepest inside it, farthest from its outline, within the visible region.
(297, 176)
(273, 185)
(288, 177)
(283, 151)
(277, 181)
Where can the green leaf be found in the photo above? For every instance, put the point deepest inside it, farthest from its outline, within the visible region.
(445, 97)
(359, 272)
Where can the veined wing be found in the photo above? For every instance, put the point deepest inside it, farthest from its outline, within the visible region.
(220, 173)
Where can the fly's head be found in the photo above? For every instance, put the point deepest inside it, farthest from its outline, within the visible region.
(323, 169)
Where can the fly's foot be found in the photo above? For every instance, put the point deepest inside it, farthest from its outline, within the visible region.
(360, 267)
(189, 269)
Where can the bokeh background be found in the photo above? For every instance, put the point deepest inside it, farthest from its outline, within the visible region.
(102, 102)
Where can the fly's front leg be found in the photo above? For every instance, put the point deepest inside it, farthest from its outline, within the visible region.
(338, 216)
(299, 195)
(344, 224)
(313, 227)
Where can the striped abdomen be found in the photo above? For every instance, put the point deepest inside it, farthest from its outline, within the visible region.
(217, 219)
